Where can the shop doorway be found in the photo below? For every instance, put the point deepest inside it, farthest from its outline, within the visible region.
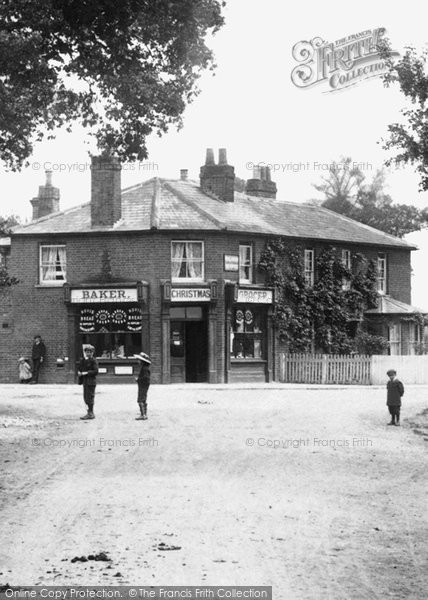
(189, 346)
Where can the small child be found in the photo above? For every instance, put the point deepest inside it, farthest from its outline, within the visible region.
(25, 373)
(143, 381)
(395, 389)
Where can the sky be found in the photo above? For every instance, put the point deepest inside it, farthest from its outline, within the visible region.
(252, 108)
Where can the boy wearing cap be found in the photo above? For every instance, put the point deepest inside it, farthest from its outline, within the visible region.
(143, 381)
(395, 389)
(87, 373)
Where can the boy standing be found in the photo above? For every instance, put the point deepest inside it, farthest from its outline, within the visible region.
(87, 373)
(395, 389)
(143, 381)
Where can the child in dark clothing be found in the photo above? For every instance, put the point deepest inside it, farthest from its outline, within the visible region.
(143, 381)
(395, 389)
(87, 373)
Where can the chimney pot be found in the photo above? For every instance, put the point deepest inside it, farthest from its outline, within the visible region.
(256, 172)
(218, 179)
(210, 157)
(222, 156)
(263, 173)
(184, 174)
(48, 177)
(268, 175)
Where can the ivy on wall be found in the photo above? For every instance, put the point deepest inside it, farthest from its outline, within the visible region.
(323, 316)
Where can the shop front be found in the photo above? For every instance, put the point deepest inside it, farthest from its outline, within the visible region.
(189, 323)
(114, 320)
(249, 336)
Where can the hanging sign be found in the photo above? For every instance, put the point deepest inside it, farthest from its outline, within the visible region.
(87, 296)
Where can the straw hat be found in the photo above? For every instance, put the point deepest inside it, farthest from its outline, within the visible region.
(144, 357)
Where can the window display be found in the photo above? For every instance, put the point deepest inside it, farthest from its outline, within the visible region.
(247, 333)
(114, 332)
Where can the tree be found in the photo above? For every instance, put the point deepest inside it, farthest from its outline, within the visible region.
(410, 138)
(367, 202)
(121, 69)
(5, 227)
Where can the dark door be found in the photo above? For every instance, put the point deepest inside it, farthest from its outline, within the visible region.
(196, 351)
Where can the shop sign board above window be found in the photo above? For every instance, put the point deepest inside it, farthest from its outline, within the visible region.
(190, 294)
(246, 296)
(88, 296)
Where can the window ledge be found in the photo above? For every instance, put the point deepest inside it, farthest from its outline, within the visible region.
(50, 285)
(247, 360)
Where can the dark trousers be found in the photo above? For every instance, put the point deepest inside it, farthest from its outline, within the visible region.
(36, 369)
(394, 411)
(89, 395)
(142, 394)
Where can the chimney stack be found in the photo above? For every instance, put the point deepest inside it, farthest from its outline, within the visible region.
(106, 202)
(47, 201)
(184, 174)
(261, 185)
(218, 179)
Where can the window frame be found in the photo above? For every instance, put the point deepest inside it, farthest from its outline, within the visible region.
(347, 263)
(52, 282)
(382, 278)
(250, 279)
(309, 272)
(202, 261)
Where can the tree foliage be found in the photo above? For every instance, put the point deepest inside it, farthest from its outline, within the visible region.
(6, 223)
(409, 138)
(320, 315)
(348, 193)
(121, 69)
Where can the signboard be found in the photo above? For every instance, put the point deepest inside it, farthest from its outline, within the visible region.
(97, 296)
(123, 370)
(255, 296)
(190, 294)
(231, 262)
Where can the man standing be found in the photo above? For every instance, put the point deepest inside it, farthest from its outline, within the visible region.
(38, 354)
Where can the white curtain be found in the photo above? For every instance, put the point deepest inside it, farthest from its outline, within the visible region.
(194, 260)
(49, 263)
(60, 264)
(177, 258)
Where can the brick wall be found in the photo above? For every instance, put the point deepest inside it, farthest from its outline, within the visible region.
(133, 257)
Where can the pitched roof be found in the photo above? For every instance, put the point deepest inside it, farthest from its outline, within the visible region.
(182, 205)
(391, 306)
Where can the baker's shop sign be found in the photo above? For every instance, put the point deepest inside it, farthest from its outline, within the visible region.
(97, 296)
(339, 64)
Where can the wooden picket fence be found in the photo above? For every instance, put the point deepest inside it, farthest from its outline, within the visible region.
(325, 368)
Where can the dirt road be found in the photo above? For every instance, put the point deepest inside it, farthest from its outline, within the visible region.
(305, 490)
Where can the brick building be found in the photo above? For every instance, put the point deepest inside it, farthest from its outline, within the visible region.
(170, 267)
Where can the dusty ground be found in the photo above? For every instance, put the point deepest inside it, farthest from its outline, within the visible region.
(186, 499)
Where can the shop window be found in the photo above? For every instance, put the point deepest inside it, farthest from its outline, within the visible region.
(309, 267)
(52, 265)
(381, 273)
(347, 263)
(114, 332)
(187, 261)
(245, 263)
(247, 333)
(186, 312)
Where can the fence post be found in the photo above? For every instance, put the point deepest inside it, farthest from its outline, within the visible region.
(324, 368)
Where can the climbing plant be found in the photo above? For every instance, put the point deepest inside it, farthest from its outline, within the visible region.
(318, 315)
